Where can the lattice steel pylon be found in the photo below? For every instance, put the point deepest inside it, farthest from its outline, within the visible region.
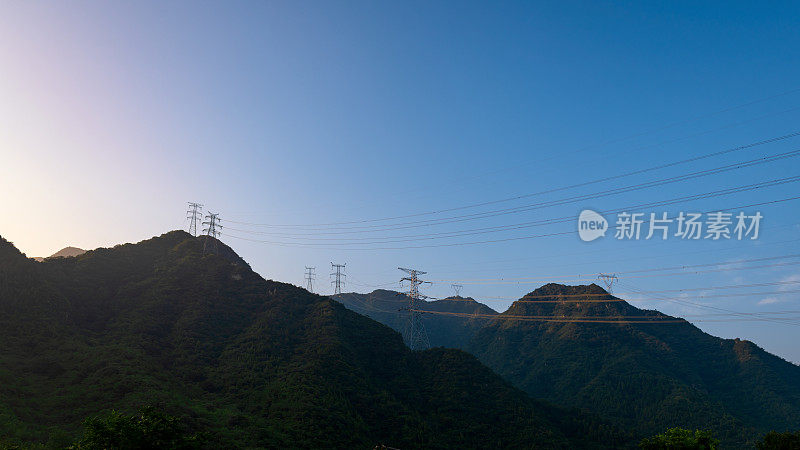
(211, 230)
(457, 289)
(310, 276)
(195, 215)
(608, 279)
(338, 282)
(415, 335)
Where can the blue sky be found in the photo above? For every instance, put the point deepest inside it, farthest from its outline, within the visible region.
(114, 115)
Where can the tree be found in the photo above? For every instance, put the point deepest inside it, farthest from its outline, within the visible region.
(680, 439)
(779, 441)
(147, 429)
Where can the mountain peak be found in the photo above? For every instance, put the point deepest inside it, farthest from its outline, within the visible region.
(565, 300)
(66, 252)
(458, 298)
(181, 241)
(556, 289)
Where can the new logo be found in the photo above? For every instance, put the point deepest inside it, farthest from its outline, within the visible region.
(591, 225)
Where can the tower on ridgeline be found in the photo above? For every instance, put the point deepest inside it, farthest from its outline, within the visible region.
(415, 335)
(457, 289)
(310, 276)
(212, 230)
(338, 281)
(195, 215)
(608, 279)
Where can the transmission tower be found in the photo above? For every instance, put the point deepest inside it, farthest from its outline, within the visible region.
(310, 276)
(457, 289)
(195, 215)
(608, 279)
(211, 230)
(338, 282)
(416, 336)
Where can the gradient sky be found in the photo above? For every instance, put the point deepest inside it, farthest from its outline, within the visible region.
(113, 115)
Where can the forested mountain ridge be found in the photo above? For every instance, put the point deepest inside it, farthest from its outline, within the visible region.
(253, 362)
(646, 376)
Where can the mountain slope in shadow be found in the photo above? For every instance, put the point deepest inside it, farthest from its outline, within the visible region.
(253, 362)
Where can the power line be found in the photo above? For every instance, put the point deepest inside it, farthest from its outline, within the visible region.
(374, 286)
(718, 249)
(195, 215)
(726, 269)
(732, 246)
(338, 282)
(542, 222)
(625, 319)
(674, 291)
(523, 208)
(617, 319)
(622, 319)
(543, 192)
(607, 298)
(698, 305)
(580, 298)
(580, 278)
(526, 299)
(661, 318)
(707, 195)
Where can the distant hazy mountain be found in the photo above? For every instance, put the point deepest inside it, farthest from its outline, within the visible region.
(65, 252)
(255, 363)
(388, 307)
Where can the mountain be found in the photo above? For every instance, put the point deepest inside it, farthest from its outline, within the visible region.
(443, 331)
(645, 376)
(254, 363)
(65, 252)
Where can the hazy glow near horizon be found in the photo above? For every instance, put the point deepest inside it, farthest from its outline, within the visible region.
(113, 116)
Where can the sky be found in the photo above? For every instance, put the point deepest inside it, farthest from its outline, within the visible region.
(360, 132)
